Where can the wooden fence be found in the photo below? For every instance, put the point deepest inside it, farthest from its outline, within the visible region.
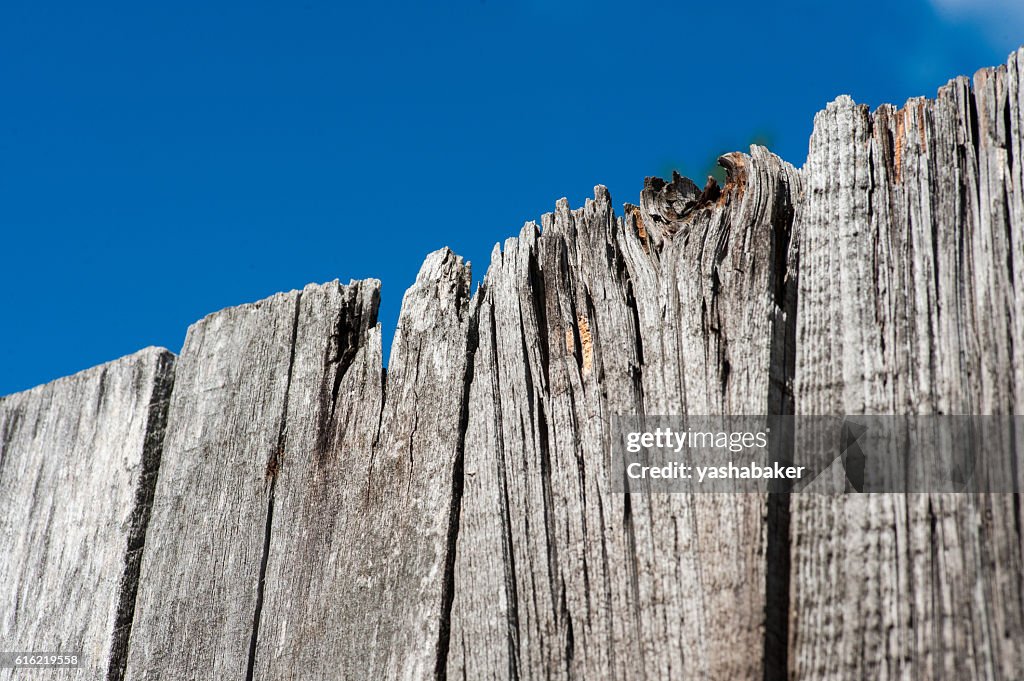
(273, 504)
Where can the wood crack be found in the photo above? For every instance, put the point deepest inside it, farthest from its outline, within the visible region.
(273, 470)
(156, 425)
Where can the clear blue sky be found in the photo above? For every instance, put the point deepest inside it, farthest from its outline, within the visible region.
(162, 160)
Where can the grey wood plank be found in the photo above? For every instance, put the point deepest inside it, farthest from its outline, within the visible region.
(302, 523)
(201, 570)
(78, 463)
(556, 575)
(910, 303)
(358, 578)
(334, 409)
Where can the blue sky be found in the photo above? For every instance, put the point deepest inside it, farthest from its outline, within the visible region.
(160, 161)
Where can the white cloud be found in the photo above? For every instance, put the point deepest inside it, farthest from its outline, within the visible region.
(977, 6)
(1001, 20)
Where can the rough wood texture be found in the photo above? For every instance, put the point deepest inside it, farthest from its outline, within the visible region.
(556, 575)
(78, 459)
(202, 565)
(358, 580)
(318, 517)
(912, 239)
(336, 396)
(301, 525)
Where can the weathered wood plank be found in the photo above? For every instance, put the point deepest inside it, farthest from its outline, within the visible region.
(718, 339)
(910, 302)
(334, 408)
(358, 579)
(556, 575)
(202, 565)
(303, 519)
(78, 463)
